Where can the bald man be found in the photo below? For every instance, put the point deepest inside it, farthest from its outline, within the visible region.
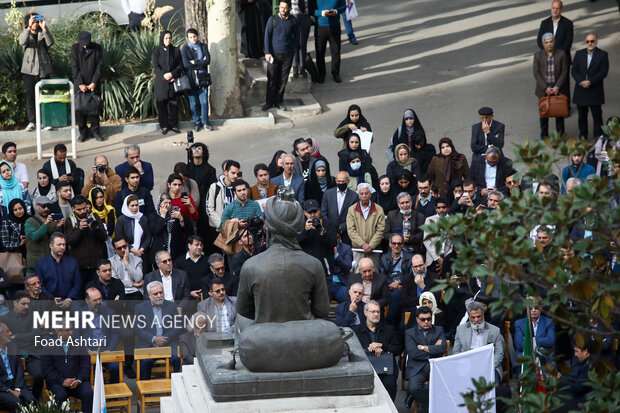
(101, 175)
(375, 284)
(336, 203)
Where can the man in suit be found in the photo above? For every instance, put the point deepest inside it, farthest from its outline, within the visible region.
(111, 289)
(590, 67)
(157, 327)
(542, 327)
(217, 271)
(290, 178)
(551, 75)
(376, 338)
(132, 155)
(220, 309)
(395, 224)
(417, 281)
(422, 342)
(174, 281)
(13, 390)
(562, 30)
(67, 370)
(60, 273)
(394, 264)
(489, 172)
(477, 333)
(350, 313)
(336, 203)
(487, 133)
(375, 284)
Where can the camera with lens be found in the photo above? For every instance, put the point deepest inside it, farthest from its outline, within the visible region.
(395, 276)
(255, 224)
(91, 221)
(101, 168)
(316, 223)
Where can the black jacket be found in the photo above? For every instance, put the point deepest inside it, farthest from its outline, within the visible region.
(124, 229)
(188, 54)
(319, 246)
(196, 271)
(379, 291)
(563, 35)
(86, 66)
(595, 73)
(495, 137)
(385, 335)
(166, 60)
(417, 359)
(478, 167)
(386, 264)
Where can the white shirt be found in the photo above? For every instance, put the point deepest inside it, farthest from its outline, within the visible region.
(589, 60)
(287, 182)
(136, 6)
(189, 257)
(490, 174)
(555, 26)
(167, 282)
(476, 338)
(21, 173)
(340, 197)
(365, 211)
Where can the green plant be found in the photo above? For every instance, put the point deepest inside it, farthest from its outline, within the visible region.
(115, 79)
(12, 102)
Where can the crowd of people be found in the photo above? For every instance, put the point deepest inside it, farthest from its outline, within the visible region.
(108, 240)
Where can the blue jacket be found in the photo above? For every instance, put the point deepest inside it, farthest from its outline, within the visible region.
(146, 179)
(144, 318)
(67, 284)
(545, 334)
(582, 172)
(110, 334)
(345, 318)
(339, 5)
(297, 183)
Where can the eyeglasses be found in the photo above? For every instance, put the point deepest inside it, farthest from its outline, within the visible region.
(218, 269)
(425, 319)
(166, 261)
(45, 206)
(397, 243)
(590, 41)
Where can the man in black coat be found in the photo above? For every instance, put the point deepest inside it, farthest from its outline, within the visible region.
(376, 338)
(86, 61)
(487, 133)
(350, 312)
(13, 390)
(493, 163)
(422, 342)
(336, 203)
(375, 284)
(396, 220)
(590, 67)
(415, 283)
(217, 270)
(175, 281)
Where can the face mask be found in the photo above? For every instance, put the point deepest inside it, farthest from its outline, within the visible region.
(356, 165)
(405, 212)
(341, 187)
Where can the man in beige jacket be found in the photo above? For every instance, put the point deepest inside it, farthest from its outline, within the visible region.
(365, 226)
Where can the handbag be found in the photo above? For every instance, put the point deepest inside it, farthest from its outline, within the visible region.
(181, 84)
(553, 106)
(202, 79)
(87, 103)
(14, 266)
(384, 364)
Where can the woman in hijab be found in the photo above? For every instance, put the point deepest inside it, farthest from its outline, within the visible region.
(196, 59)
(45, 186)
(134, 227)
(455, 191)
(406, 182)
(360, 172)
(354, 121)
(402, 161)
(275, 167)
(169, 229)
(320, 181)
(353, 144)
(12, 233)
(316, 153)
(11, 188)
(385, 196)
(168, 66)
(447, 166)
(409, 129)
(106, 212)
(423, 152)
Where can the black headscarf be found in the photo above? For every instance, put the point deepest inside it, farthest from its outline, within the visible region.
(274, 170)
(407, 136)
(12, 216)
(386, 200)
(412, 189)
(343, 155)
(44, 190)
(361, 122)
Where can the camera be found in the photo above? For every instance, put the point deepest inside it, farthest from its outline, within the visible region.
(255, 224)
(91, 221)
(316, 223)
(395, 276)
(101, 168)
(190, 137)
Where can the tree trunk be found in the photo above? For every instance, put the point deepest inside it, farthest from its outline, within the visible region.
(225, 93)
(196, 17)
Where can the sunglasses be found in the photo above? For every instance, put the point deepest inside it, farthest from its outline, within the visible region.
(425, 319)
(166, 261)
(590, 41)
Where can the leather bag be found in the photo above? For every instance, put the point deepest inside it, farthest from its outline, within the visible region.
(202, 79)
(14, 266)
(87, 103)
(181, 84)
(553, 106)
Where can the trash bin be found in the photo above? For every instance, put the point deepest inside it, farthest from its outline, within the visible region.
(55, 102)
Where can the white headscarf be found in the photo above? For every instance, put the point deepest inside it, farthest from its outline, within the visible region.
(137, 228)
(427, 295)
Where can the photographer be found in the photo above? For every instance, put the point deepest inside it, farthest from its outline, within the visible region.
(318, 238)
(242, 208)
(36, 63)
(85, 234)
(103, 176)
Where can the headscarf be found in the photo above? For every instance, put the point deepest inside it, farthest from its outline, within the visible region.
(407, 134)
(322, 181)
(137, 228)
(11, 188)
(360, 172)
(285, 219)
(44, 190)
(361, 122)
(315, 148)
(106, 210)
(450, 161)
(427, 295)
(167, 218)
(161, 38)
(12, 216)
(408, 162)
(406, 174)
(386, 200)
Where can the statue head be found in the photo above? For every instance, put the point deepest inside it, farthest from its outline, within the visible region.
(284, 218)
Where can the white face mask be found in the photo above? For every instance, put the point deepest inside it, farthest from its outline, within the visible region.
(356, 165)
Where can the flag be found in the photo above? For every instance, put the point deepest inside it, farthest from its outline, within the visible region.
(99, 391)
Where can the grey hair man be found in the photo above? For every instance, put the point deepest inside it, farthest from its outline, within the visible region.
(174, 281)
(132, 158)
(406, 221)
(365, 225)
(477, 333)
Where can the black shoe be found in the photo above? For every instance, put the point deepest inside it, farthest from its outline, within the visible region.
(321, 79)
(282, 108)
(197, 127)
(295, 73)
(129, 372)
(99, 137)
(304, 74)
(176, 130)
(266, 107)
(83, 138)
(164, 131)
(337, 78)
(353, 41)
(208, 127)
(408, 400)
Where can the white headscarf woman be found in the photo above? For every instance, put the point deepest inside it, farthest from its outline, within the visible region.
(131, 209)
(429, 296)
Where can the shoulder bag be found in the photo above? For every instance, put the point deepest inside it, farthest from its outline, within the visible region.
(181, 84)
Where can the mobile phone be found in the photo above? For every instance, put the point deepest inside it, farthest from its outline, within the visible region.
(57, 217)
(271, 60)
(183, 194)
(175, 208)
(38, 17)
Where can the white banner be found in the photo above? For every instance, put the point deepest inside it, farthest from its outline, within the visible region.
(451, 376)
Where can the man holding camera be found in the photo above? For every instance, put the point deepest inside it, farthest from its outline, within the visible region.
(242, 207)
(104, 177)
(318, 238)
(86, 238)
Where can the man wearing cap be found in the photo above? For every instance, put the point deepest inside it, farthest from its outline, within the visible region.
(487, 133)
(38, 229)
(551, 75)
(86, 60)
(318, 238)
(281, 43)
